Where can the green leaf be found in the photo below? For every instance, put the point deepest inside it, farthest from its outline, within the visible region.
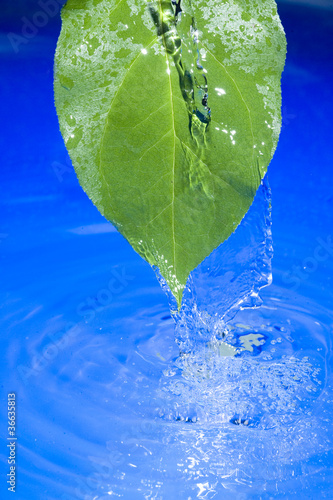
(170, 118)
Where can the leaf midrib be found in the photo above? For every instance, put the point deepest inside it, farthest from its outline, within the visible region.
(173, 170)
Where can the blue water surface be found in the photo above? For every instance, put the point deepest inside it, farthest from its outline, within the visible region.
(108, 403)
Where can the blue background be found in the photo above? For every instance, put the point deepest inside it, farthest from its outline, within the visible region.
(57, 255)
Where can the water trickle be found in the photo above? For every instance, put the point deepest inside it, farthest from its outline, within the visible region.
(228, 280)
(179, 36)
